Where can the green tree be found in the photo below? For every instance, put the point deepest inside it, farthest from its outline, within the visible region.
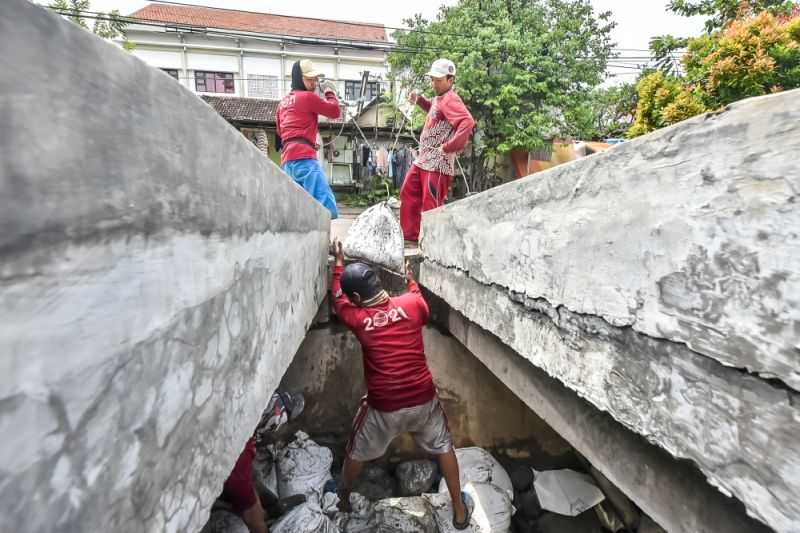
(722, 12)
(524, 67)
(664, 51)
(752, 56)
(608, 112)
(109, 25)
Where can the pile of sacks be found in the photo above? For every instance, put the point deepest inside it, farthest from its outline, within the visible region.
(413, 502)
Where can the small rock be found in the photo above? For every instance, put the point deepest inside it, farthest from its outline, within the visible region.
(404, 515)
(374, 483)
(415, 477)
(585, 522)
(648, 525)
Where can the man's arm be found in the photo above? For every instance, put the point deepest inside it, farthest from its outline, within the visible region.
(413, 288)
(327, 107)
(255, 518)
(460, 118)
(344, 308)
(419, 100)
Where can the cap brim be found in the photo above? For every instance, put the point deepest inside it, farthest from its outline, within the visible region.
(436, 74)
(312, 74)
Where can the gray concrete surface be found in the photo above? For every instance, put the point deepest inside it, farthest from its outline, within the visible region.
(661, 282)
(671, 491)
(157, 274)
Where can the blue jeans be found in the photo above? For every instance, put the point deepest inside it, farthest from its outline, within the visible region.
(309, 175)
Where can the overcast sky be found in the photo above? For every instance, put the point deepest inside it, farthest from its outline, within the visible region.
(637, 20)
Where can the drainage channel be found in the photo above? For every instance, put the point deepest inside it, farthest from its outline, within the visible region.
(485, 418)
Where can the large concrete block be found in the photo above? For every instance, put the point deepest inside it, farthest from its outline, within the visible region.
(157, 274)
(661, 282)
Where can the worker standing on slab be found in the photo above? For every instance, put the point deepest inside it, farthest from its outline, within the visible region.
(401, 396)
(446, 132)
(297, 124)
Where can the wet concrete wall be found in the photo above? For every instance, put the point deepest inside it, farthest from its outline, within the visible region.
(157, 274)
(660, 281)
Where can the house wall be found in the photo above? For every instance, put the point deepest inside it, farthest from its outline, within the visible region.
(190, 52)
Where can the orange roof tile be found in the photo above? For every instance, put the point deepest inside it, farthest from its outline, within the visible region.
(229, 19)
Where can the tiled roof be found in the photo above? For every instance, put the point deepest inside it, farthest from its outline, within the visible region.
(243, 109)
(250, 21)
(251, 110)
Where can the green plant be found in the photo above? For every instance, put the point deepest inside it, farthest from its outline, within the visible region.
(524, 68)
(109, 25)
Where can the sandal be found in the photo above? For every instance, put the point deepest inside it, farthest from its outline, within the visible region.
(468, 505)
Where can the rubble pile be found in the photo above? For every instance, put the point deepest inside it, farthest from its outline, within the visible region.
(412, 497)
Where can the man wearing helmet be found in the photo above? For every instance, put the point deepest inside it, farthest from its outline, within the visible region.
(401, 396)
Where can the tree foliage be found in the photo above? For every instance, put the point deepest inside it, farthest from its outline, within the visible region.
(722, 12)
(523, 66)
(109, 25)
(752, 56)
(607, 112)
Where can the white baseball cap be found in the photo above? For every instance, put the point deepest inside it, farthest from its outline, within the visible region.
(307, 67)
(442, 68)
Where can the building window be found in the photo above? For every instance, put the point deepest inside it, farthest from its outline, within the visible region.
(352, 89)
(260, 86)
(213, 82)
(172, 72)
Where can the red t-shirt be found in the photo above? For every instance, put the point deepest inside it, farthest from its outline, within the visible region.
(390, 334)
(239, 489)
(298, 116)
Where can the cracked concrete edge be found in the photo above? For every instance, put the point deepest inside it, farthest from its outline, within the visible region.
(671, 491)
(740, 431)
(688, 234)
(157, 276)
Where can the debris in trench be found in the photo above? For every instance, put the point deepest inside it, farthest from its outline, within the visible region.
(492, 510)
(416, 477)
(476, 465)
(503, 503)
(566, 492)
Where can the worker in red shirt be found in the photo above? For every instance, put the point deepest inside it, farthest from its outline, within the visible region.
(401, 396)
(239, 491)
(297, 122)
(447, 130)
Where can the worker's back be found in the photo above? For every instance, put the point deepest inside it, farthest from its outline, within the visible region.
(395, 367)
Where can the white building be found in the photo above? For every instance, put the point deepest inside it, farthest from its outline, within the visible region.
(247, 54)
(240, 62)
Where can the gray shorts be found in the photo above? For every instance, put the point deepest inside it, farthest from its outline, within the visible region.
(374, 430)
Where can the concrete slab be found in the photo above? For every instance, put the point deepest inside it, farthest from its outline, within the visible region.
(157, 274)
(661, 282)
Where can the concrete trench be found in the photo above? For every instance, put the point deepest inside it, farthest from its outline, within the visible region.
(488, 409)
(634, 313)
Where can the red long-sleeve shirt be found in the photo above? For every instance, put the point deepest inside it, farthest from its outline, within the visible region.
(448, 126)
(395, 367)
(298, 116)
